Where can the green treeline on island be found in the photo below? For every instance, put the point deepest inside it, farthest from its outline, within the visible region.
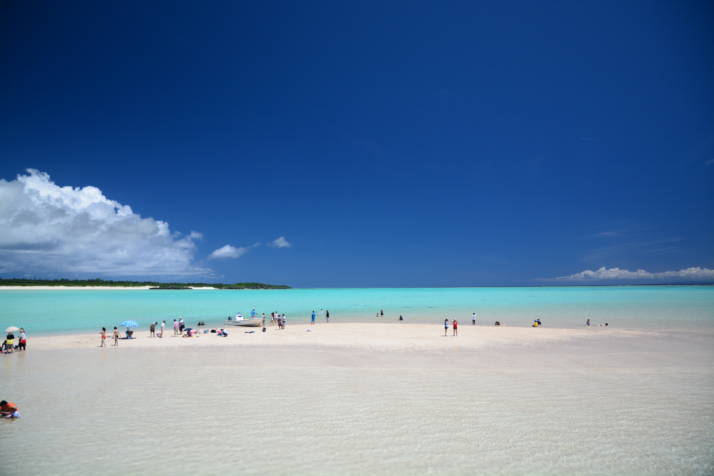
(131, 284)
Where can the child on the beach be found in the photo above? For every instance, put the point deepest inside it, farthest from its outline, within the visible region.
(9, 410)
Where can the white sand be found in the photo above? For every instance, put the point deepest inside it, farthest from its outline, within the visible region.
(82, 288)
(71, 288)
(364, 336)
(356, 399)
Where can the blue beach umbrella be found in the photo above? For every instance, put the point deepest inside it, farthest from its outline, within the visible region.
(129, 324)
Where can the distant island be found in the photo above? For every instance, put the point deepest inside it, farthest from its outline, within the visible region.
(132, 284)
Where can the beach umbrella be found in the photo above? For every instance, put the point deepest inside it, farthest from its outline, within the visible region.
(129, 324)
(12, 329)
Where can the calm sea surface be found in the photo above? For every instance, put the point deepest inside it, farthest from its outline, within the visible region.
(58, 311)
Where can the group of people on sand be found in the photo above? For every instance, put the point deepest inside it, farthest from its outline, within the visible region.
(10, 344)
(103, 337)
(157, 330)
(454, 327)
(275, 319)
(155, 325)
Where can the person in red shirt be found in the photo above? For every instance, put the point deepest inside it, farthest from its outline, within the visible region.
(455, 326)
(8, 410)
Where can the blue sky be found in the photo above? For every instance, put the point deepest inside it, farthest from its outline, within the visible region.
(388, 143)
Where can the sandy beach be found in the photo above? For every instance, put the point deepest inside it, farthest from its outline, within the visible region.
(374, 336)
(73, 288)
(83, 288)
(365, 399)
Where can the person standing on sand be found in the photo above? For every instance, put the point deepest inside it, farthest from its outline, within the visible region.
(446, 326)
(587, 323)
(115, 336)
(23, 340)
(381, 313)
(327, 316)
(312, 318)
(152, 329)
(163, 326)
(455, 325)
(473, 319)
(103, 336)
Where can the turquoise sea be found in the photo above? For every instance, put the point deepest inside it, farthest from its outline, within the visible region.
(58, 311)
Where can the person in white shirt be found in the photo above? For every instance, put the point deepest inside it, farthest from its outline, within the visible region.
(473, 319)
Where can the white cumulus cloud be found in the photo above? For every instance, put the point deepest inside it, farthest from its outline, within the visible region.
(228, 251)
(281, 242)
(603, 274)
(48, 229)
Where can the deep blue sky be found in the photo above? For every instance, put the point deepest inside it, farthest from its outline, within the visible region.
(392, 143)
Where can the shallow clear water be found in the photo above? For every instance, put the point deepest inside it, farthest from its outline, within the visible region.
(601, 406)
(622, 306)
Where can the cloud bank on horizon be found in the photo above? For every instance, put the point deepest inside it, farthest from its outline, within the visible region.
(51, 229)
(694, 273)
(48, 229)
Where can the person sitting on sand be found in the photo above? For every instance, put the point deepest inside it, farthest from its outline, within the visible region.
(222, 333)
(497, 323)
(10, 343)
(9, 410)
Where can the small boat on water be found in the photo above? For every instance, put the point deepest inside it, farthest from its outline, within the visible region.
(239, 320)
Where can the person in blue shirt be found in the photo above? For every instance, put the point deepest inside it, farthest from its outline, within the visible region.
(312, 318)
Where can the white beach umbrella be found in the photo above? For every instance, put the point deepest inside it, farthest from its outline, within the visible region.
(12, 329)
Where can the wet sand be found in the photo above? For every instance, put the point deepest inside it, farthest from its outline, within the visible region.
(358, 399)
